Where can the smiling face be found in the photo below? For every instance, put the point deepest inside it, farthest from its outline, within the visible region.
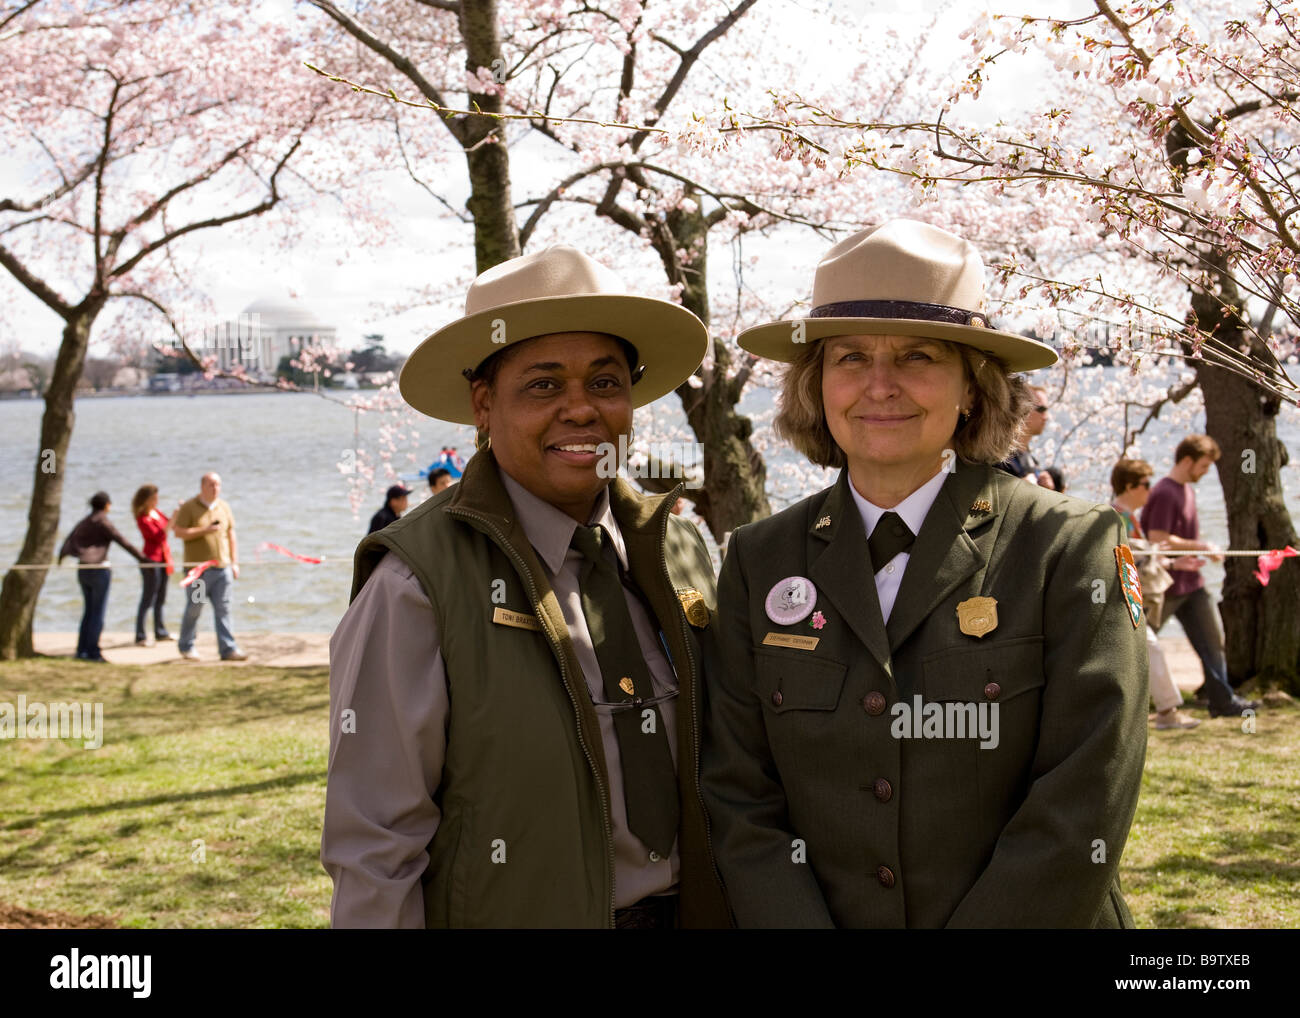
(554, 402)
(891, 404)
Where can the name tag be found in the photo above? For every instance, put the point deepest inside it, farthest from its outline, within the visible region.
(506, 617)
(791, 640)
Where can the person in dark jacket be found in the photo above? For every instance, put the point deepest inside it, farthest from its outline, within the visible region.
(927, 699)
(89, 543)
(394, 506)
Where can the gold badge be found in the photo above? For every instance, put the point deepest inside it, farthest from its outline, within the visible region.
(825, 521)
(625, 684)
(981, 505)
(693, 604)
(978, 616)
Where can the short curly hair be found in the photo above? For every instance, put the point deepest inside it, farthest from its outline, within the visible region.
(988, 435)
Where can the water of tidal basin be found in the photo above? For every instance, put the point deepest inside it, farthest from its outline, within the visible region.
(278, 457)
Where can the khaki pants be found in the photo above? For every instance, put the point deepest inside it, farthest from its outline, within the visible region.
(1164, 693)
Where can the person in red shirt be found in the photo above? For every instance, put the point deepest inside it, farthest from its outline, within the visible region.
(153, 578)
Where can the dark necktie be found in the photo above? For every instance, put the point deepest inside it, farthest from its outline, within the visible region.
(890, 537)
(649, 780)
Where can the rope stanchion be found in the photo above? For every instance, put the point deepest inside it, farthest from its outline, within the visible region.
(198, 571)
(1269, 560)
(268, 546)
(330, 560)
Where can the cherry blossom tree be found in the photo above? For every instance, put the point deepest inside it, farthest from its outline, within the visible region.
(136, 126)
(592, 102)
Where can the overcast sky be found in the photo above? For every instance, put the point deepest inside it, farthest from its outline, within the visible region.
(355, 288)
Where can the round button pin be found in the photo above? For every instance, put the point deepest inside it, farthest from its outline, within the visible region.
(790, 601)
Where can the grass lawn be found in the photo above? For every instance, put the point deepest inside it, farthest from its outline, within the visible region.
(1216, 842)
(203, 806)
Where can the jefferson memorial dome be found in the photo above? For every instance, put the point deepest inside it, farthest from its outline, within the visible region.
(270, 329)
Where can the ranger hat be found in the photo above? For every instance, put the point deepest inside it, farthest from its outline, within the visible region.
(559, 289)
(902, 278)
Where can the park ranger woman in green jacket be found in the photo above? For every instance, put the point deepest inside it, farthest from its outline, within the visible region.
(514, 688)
(927, 697)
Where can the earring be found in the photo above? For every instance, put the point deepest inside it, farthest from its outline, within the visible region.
(482, 446)
(963, 416)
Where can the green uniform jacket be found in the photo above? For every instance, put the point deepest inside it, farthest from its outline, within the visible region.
(822, 815)
(525, 838)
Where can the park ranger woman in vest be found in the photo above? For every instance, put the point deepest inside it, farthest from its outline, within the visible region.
(960, 741)
(514, 688)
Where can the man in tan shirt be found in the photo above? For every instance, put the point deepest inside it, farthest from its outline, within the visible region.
(207, 526)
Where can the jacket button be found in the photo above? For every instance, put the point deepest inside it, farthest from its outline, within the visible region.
(883, 790)
(992, 690)
(885, 875)
(777, 698)
(874, 703)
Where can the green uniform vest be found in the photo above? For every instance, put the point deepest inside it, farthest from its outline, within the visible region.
(525, 838)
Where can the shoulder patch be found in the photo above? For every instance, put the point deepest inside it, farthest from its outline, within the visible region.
(1129, 583)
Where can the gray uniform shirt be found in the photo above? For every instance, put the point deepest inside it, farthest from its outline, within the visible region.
(386, 665)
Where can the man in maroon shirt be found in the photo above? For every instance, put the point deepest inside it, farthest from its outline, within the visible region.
(1170, 517)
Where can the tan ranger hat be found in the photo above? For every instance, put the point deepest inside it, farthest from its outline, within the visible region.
(902, 278)
(559, 289)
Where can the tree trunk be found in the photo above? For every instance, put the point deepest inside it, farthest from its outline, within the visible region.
(1259, 623)
(735, 476)
(23, 586)
(496, 234)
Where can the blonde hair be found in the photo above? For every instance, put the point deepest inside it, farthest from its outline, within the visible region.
(987, 435)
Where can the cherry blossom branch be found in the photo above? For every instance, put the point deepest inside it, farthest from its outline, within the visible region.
(399, 61)
(17, 12)
(1174, 395)
(448, 112)
(255, 210)
(45, 293)
(687, 61)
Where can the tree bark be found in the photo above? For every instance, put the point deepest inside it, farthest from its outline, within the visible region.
(1261, 638)
(22, 586)
(735, 476)
(496, 234)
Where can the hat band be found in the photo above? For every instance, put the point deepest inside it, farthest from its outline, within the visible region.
(912, 310)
